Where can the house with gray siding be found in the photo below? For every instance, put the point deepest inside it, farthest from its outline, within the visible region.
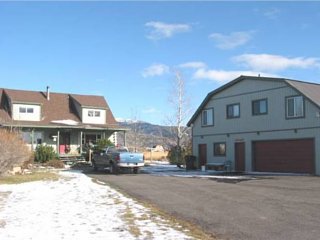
(259, 124)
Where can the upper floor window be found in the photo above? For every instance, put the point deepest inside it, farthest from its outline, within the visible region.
(29, 110)
(25, 110)
(294, 107)
(207, 118)
(233, 110)
(260, 107)
(92, 113)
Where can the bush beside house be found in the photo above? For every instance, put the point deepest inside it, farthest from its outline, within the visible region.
(177, 155)
(44, 153)
(13, 151)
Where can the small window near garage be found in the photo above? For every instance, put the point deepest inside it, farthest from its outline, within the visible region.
(22, 110)
(294, 107)
(219, 149)
(260, 107)
(233, 110)
(97, 113)
(207, 118)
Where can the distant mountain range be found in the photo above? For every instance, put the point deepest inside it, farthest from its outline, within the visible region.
(142, 135)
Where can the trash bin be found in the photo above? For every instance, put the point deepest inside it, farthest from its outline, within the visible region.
(190, 162)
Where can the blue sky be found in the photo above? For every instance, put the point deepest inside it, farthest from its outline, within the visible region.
(128, 51)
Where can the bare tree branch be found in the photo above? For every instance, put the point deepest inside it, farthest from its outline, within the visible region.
(180, 104)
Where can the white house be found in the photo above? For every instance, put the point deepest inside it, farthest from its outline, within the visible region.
(65, 121)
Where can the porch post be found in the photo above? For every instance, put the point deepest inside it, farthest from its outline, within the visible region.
(32, 139)
(81, 133)
(58, 142)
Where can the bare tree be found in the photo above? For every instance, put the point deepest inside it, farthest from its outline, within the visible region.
(136, 128)
(13, 150)
(180, 104)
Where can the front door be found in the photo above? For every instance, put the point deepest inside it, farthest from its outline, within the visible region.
(64, 142)
(239, 156)
(202, 153)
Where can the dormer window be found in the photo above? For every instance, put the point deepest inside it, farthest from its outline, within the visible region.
(26, 110)
(92, 113)
(94, 116)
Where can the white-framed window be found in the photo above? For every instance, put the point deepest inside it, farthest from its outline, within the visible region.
(92, 113)
(207, 117)
(260, 107)
(294, 107)
(233, 110)
(26, 110)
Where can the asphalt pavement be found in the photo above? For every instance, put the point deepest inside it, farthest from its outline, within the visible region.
(265, 207)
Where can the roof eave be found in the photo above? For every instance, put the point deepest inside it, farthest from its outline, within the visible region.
(85, 127)
(302, 93)
(209, 96)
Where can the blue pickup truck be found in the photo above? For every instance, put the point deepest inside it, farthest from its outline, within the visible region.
(117, 158)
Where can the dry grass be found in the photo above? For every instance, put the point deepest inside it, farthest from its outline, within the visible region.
(157, 156)
(36, 176)
(55, 163)
(130, 218)
(189, 228)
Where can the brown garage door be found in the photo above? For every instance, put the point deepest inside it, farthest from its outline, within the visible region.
(291, 156)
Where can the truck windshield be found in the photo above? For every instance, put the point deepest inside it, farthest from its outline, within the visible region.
(122, 150)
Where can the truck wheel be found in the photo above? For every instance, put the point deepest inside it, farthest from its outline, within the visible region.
(113, 169)
(135, 170)
(94, 165)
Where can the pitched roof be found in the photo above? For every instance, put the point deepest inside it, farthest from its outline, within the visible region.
(59, 107)
(90, 100)
(307, 89)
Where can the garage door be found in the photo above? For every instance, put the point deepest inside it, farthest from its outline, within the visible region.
(291, 156)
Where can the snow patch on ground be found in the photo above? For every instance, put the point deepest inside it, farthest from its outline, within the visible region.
(166, 169)
(74, 207)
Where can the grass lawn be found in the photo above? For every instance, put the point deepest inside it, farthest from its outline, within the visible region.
(35, 176)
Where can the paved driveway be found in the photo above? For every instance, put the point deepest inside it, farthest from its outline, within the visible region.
(274, 207)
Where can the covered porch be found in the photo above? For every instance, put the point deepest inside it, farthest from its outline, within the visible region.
(69, 143)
